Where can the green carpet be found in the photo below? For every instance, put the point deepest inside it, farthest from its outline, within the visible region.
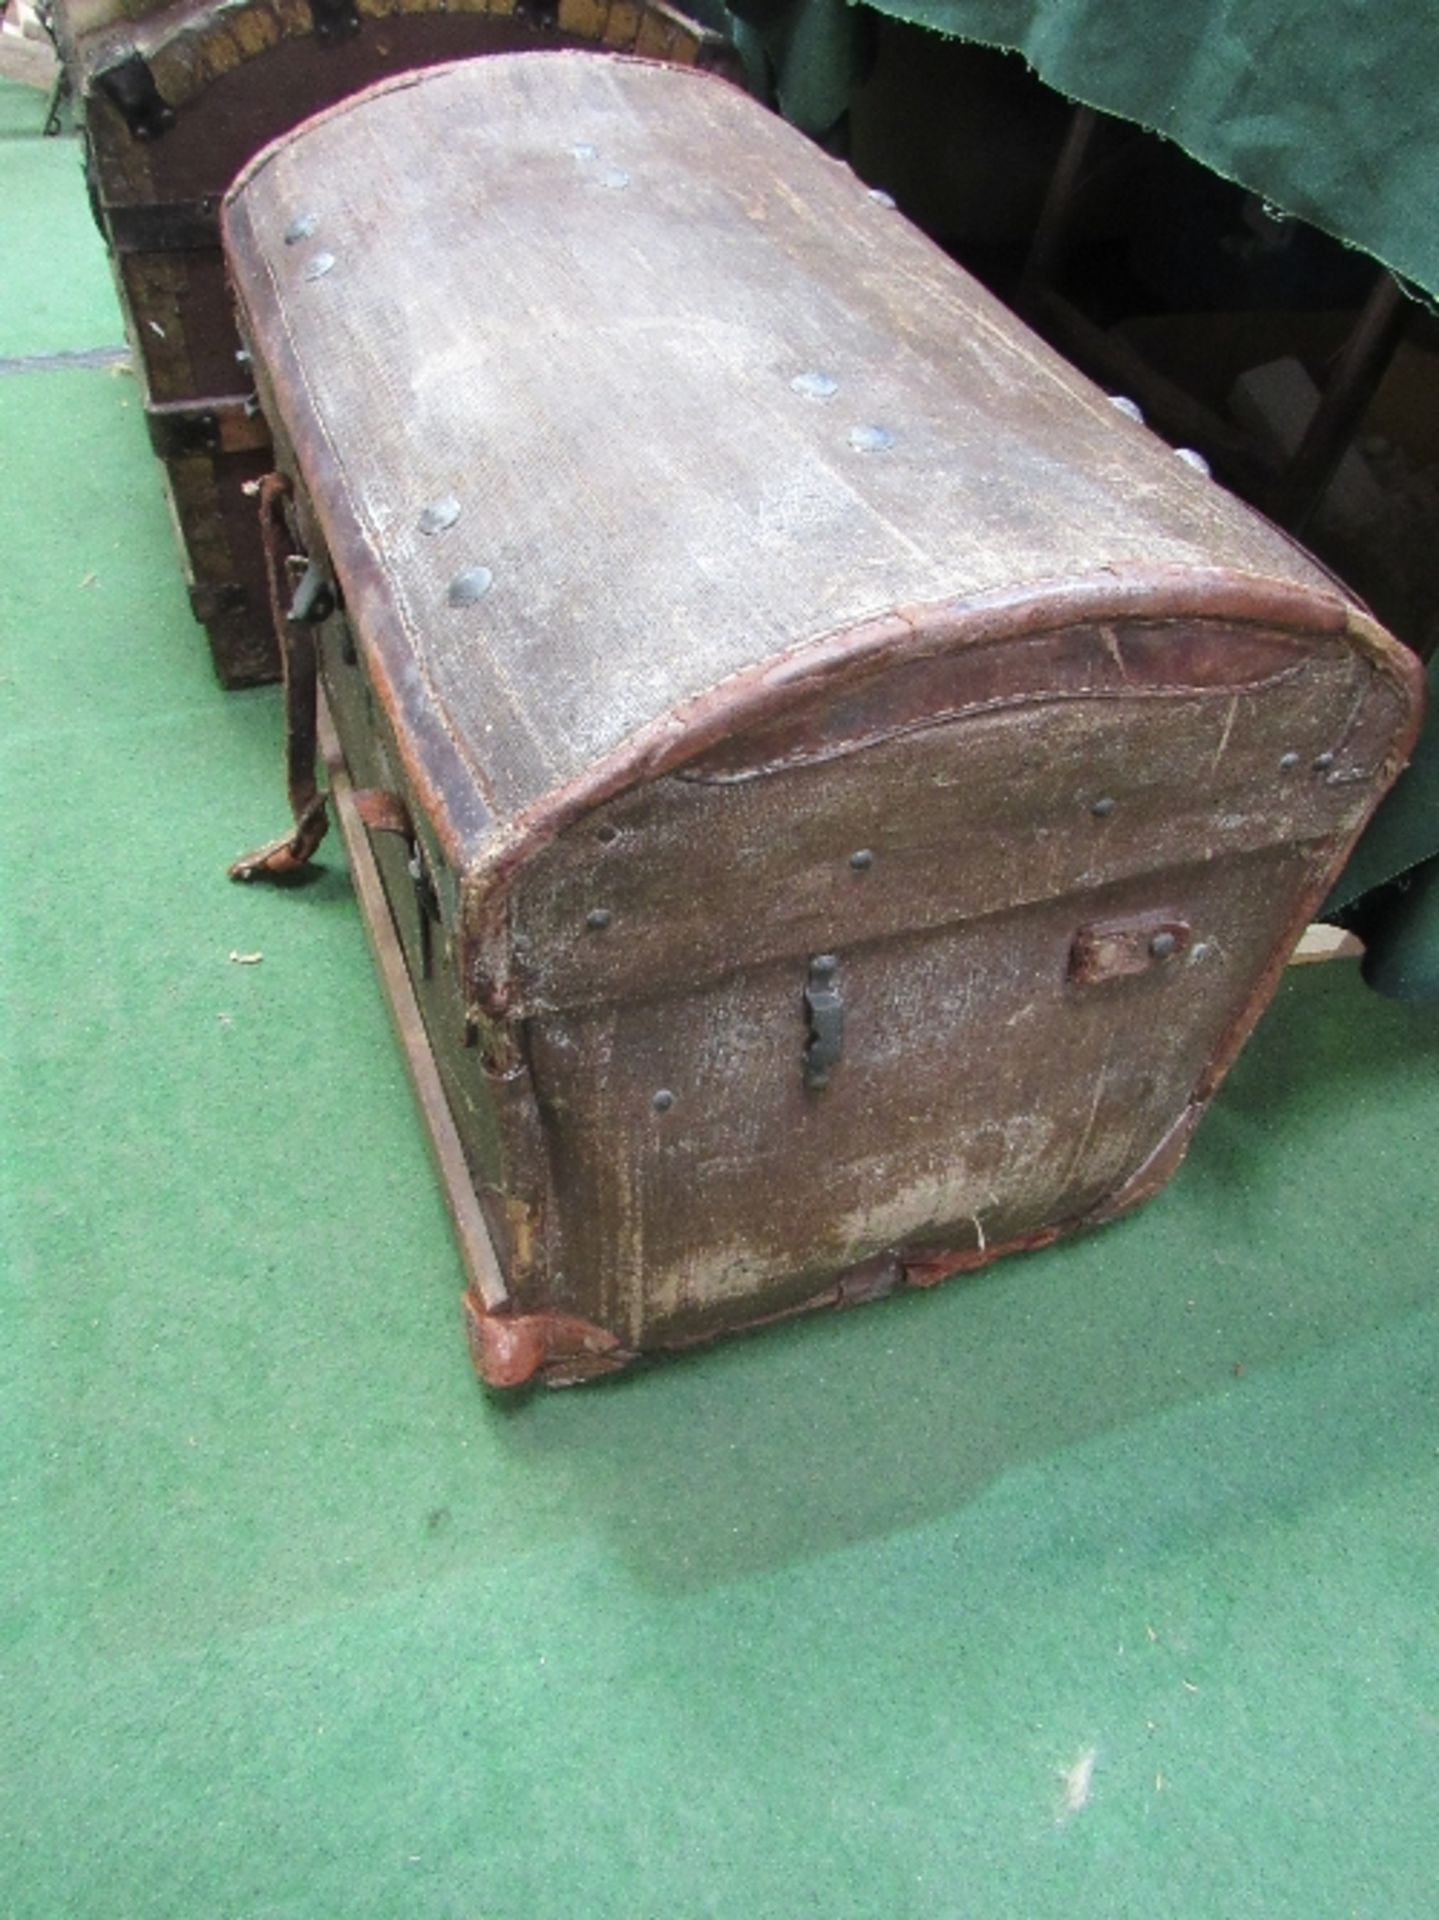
(298, 1624)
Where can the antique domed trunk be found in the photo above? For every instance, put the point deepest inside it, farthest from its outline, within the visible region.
(843, 790)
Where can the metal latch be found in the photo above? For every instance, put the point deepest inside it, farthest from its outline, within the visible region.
(824, 1010)
(314, 599)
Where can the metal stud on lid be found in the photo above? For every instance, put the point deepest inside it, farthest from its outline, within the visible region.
(319, 266)
(1193, 458)
(468, 587)
(1122, 403)
(815, 385)
(300, 228)
(871, 439)
(439, 515)
(881, 198)
(614, 177)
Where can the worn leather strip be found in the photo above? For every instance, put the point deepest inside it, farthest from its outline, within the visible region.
(292, 851)
(383, 812)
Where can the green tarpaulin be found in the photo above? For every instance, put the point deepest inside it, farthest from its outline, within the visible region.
(1330, 112)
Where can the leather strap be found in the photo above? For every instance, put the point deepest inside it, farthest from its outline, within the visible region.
(296, 636)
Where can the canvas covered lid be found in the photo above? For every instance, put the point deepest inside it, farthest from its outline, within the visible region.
(608, 386)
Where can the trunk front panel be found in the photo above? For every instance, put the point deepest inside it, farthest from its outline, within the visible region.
(1048, 918)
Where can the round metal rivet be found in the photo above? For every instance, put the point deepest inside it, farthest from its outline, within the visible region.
(1122, 403)
(607, 835)
(1201, 952)
(861, 860)
(871, 439)
(319, 266)
(1162, 945)
(300, 228)
(439, 515)
(881, 198)
(1323, 762)
(815, 385)
(1288, 762)
(1101, 809)
(1193, 458)
(468, 587)
(598, 918)
(584, 151)
(663, 1100)
(614, 177)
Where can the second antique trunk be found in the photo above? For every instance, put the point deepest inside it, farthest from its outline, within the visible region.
(174, 100)
(844, 791)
